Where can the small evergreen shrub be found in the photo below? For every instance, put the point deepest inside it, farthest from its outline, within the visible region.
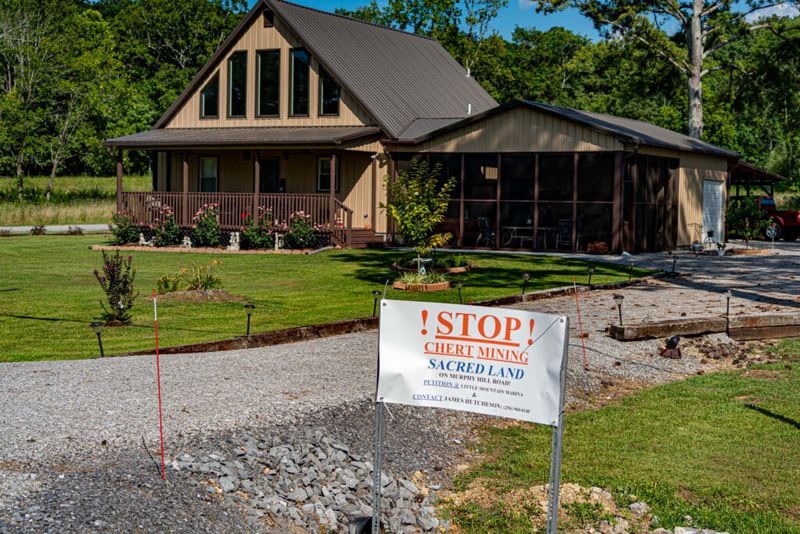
(116, 281)
(205, 227)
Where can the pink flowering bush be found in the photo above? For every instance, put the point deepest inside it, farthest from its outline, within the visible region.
(300, 233)
(116, 281)
(205, 226)
(257, 231)
(166, 231)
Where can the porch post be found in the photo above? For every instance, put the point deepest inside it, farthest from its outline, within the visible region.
(374, 206)
(616, 209)
(256, 183)
(119, 180)
(460, 240)
(185, 197)
(575, 163)
(332, 198)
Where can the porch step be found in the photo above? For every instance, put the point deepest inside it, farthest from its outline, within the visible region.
(362, 238)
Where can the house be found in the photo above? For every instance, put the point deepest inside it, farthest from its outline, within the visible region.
(300, 109)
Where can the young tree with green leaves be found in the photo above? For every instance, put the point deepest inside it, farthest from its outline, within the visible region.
(417, 202)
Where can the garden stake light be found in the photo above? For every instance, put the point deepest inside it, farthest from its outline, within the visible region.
(376, 295)
(728, 295)
(630, 271)
(591, 272)
(525, 278)
(248, 309)
(98, 329)
(459, 285)
(674, 262)
(618, 301)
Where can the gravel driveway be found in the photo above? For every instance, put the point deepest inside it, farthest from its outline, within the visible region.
(71, 432)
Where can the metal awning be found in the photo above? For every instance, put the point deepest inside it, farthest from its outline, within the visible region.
(255, 137)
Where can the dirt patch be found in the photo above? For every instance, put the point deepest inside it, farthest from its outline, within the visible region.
(764, 374)
(201, 295)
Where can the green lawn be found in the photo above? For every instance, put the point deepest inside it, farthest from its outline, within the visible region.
(48, 294)
(722, 448)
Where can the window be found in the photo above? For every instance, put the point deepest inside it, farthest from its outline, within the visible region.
(209, 99)
(268, 80)
(329, 94)
(237, 84)
(208, 175)
(300, 75)
(324, 175)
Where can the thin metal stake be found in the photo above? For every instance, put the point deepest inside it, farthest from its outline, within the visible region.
(558, 438)
(376, 469)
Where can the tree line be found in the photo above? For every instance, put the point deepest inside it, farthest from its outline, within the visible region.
(75, 72)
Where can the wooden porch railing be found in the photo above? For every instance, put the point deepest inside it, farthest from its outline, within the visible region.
(146, 207)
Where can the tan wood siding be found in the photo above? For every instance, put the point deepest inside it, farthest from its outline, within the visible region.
(695, 168)
(518, 130)
(259, 38)
(653, 151)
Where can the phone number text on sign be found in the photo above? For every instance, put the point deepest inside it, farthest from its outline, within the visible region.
(492, 361)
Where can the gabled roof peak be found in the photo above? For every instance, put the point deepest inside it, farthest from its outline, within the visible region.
(362, 21)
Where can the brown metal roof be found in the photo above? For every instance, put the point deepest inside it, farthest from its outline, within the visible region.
(397, 76)
(241, 137)
(628, 131)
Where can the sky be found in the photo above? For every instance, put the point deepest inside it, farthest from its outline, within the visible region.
(523, 13)
(517, 13)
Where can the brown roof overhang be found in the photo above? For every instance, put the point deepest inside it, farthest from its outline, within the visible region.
(241, 137)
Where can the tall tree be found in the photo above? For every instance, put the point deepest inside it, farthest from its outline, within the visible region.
(704, 26)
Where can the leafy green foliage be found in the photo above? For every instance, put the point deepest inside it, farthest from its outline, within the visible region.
(417, 203)
(125, 228)
(166, 231)
(116, 281)
(300, 233)
(257, 234)
(205, 227)
(746, 219)
(193, 278)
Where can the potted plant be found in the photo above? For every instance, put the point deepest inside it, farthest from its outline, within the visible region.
(721, 248)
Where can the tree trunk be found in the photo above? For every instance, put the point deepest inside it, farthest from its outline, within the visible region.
(20, 176)
(50, 184)
(695, 39)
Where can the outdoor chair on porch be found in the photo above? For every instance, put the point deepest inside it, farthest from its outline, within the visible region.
(564, 235)
(485, 232)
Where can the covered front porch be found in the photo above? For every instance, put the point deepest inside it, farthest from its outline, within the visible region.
(336, 187)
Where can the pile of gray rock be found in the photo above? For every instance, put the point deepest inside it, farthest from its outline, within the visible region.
(308, 481)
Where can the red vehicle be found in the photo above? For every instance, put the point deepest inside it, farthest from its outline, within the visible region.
(787, 222)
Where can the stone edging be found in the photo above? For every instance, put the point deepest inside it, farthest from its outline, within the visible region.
(303, 333)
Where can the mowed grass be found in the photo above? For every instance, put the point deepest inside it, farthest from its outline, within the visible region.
(721, 448)
(48, 294)
(93, 200)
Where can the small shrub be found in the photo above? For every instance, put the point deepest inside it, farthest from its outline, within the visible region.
(195, 277)
(203, 277)
(38, 230)
(598, 247)
(205, 227)
(450, 261)
(300, 233)
(74, 230)
(166, 231)
(169, 283)
(117, 283)
(124, 228)
(257, 234)
(419, 278)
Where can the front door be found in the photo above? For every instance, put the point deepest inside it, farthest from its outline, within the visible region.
(270, 179)
(713, 209)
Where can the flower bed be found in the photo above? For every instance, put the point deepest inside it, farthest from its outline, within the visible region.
(436, 286)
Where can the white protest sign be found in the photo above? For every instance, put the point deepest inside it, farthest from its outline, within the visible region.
(492, 361)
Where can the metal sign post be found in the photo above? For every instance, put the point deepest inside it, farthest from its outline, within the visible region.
(376, 469)
(555, 452)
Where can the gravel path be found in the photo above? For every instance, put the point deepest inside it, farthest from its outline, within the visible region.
(71, 431)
